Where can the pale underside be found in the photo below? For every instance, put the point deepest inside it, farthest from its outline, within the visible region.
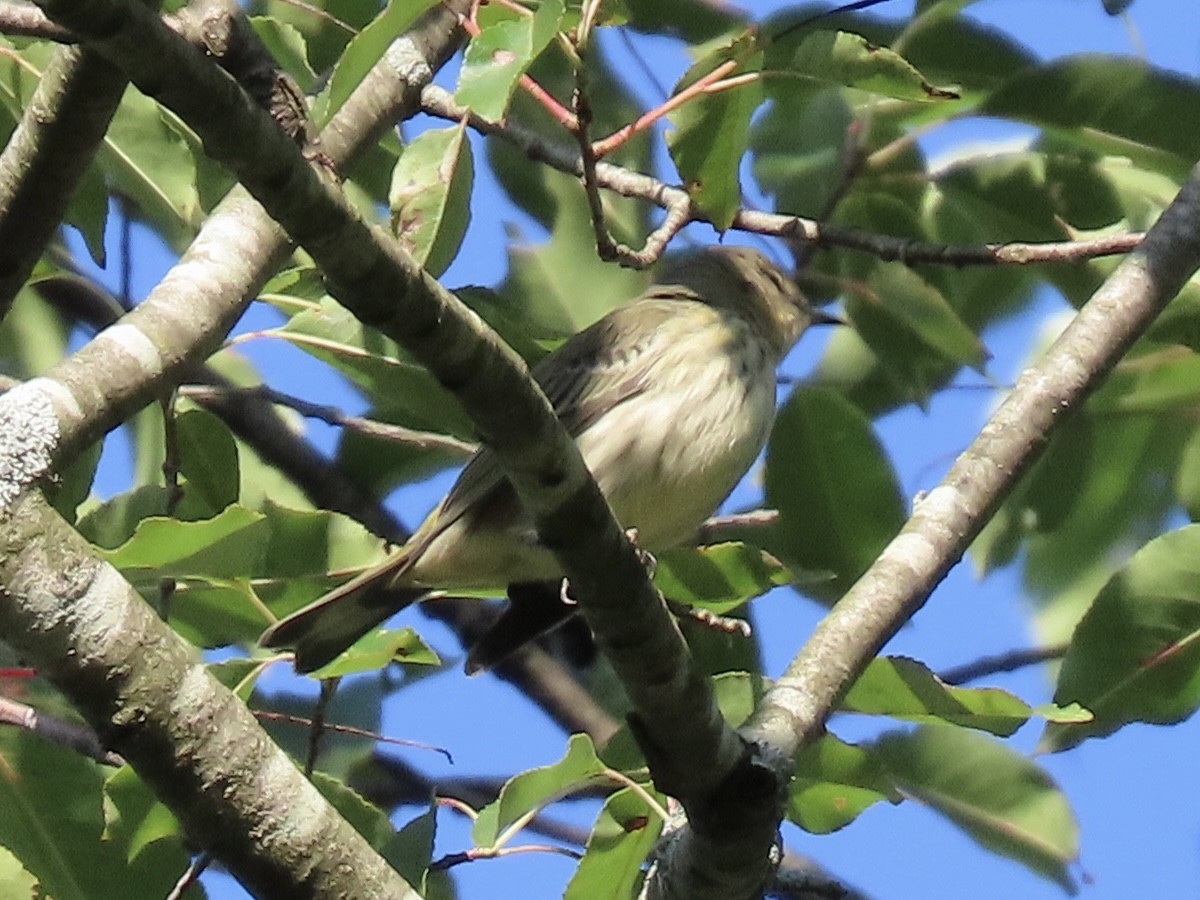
(665, 462)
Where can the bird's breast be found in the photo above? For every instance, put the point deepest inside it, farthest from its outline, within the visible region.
(666, 458)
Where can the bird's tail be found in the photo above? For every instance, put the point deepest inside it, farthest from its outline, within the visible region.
(319, 632)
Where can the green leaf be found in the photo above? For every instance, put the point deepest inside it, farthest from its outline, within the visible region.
(410, 851)
(1167, 382)
(149, 160)
(208, 459)
(1135, 656)
(53, 825)
(833, 783)
(378, 649)
(367, 818)
(959, 50)
(1113, 104)
(906, 689)
(34, 336)
(1071, 714)
(1179, 323)
(850, 60)
(998, 797)
(1187, 477)
(305, 543)
(240, 675)
(15, 881)
(712, 131)
(1103, 479)
(229, 545)
(897, 301)
(378, 367)
(720, 577)
(545, 282)
(299, 555)
(134, 816)
(287, 47)
(798, 145)
(500, 54)
(1023, 196)
(206, 611)
(836, 493)
(695, 21)
(538, 787)
(73, 483)
(113, 522)
(366, 49)
(430, 196)
(625, 833)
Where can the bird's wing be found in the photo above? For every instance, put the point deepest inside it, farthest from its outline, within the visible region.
(583, 379)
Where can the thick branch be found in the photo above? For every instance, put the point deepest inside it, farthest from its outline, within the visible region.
(148, 694)
(47, 155)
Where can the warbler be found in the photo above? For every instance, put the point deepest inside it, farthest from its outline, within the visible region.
(669, 399)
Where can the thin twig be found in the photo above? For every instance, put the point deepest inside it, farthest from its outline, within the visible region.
(716, 529)
(459, 806)
(628, 183)
(606, 247)
(700, 86)
(331, 415)
(63, 732)
(641, 790)
(1010, 661)
(190, 876)
(271, 716)
(454, 859)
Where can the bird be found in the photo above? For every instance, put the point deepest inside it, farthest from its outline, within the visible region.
(669, 398)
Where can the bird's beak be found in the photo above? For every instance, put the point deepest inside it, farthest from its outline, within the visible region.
(820, 317)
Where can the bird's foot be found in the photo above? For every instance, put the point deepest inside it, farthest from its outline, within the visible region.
(645, 556)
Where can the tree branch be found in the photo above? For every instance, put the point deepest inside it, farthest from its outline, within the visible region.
(148, 695)
(63, 732)
(43, 162)
(1002, 662)
(331, 415)
(680, 211)
(26, 20)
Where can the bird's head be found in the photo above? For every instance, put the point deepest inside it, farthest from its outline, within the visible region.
(746, 282)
